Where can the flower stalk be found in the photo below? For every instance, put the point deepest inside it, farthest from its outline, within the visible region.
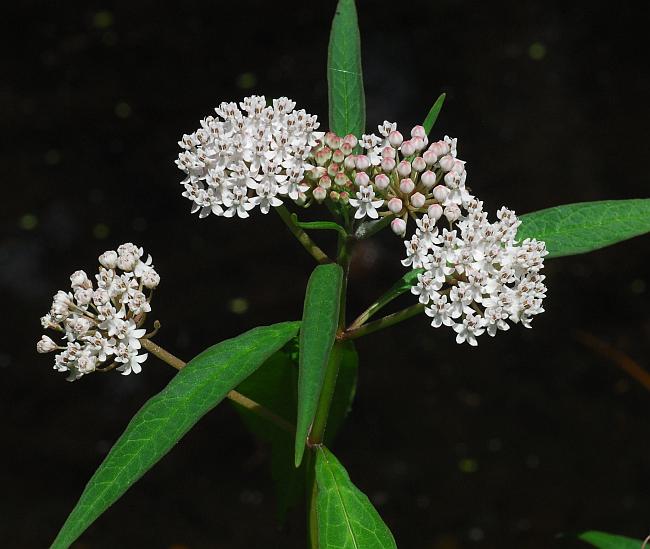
(235, 396)
(302, 237)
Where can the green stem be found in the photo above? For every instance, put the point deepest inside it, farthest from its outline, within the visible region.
(385, 322)
(235, 396)
(302, 237)
(317, 433)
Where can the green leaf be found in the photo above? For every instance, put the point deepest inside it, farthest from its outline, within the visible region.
(347, 103)
(317, 332)
(431, 118)
(166, 417)
(346, 518)
(603, 540)
(578, 228)
(274, 386)
(319, 225)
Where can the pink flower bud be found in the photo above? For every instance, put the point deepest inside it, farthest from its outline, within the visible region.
(46, 345)
(439, 148)
(341, 179)
(323, 156)
(395, 138)
(406, 186)
(350, 140)
(302, 199)
(404, 168)
(337, 156)
(447, 163)
(334, 196)
(345, 197)
(333, 168)
(434, 212)
(388, 164)
(419, 143)
(417, 200)
(395, 205)
(418, 131)
(452, 212)
(382, 181)
(419, 165)
(362, 162)
(398, 226)
(428, 179)
(407, 148)
(330, 139)
(361, 179)
(349, 162)
(346, 148)
(440, 193)
(430, 157)
(319, 194)
(388, 152)
(325, 182)
(451, 180)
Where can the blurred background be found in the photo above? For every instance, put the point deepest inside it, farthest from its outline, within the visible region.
(534, 435)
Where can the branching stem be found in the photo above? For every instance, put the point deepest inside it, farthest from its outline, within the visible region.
(302, 237)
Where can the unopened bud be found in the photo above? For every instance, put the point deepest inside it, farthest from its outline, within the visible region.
(335, 196)
(361, 179)
(330, 139)
(447, 163)
(316, 173)
(45, 345)
(395, 205)
(382, 181)
(417, 200)
(388, 164)
(302, 198)
(404, 168)
(349, 162)
(419, 143)
(419, 165)
(337, 156)
(439, 148)
(323, 156)
(452, 212)
(395, 138)
(406, 185)
(407, 148)
(362, 162)
(398, 226)
(458, 167)
(440, 193)
(430, 157)
(388, 152)
(319, 194)
(341, 179)
(434, 212)
(325, 182)
(346, 148)
(428, 179)
(345, 197)
(418, 131)
(350, 140)
(333, 169)
(108, 259)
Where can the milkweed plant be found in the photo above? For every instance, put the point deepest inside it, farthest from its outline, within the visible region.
(471, 272)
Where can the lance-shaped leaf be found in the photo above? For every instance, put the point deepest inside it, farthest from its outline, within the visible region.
(578, 228)
(431, 118)
(346, 518)
(347, 103)
(602, 540)
(317, 332)
(166, 417)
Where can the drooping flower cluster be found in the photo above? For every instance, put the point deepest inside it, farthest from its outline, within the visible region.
(476, 276)
(100, 321)
(251, 156)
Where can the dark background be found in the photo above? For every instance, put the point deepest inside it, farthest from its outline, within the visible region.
(530, 436)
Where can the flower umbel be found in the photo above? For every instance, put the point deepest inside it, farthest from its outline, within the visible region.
(101, 322)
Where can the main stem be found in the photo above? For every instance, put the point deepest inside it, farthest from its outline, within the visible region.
(317, 434)
(235, 396)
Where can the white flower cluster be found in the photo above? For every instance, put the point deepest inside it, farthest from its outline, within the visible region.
(102, 321)
(476, 277)
(251, 156)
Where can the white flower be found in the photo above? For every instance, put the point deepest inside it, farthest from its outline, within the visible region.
(103, 322)
(439, 312)
(366, 203)
(471, 326)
